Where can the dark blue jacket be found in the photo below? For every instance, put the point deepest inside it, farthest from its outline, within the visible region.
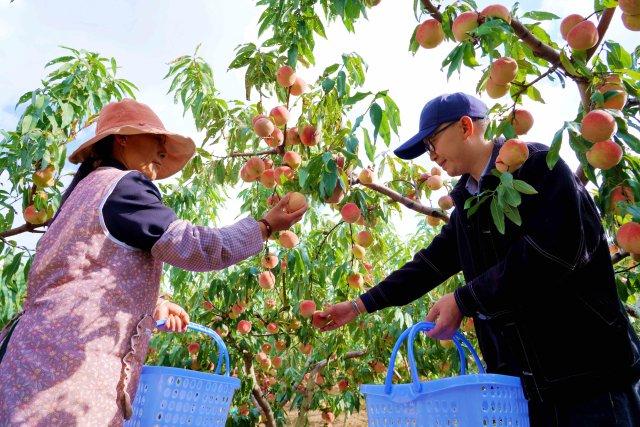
(542, 295)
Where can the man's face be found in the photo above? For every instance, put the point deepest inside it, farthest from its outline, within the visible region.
(447, 148)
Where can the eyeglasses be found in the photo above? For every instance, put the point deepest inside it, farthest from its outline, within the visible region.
(428, 141)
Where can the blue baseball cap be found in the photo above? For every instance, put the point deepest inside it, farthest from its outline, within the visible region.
(443, 109)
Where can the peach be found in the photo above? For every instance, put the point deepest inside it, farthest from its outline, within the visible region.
(299, 87)
(272, 327)
(266, 347)
(273, 200)
(44, 177)
(598, 125)
(336, 196)
(522, 121)
(283, 174)
(631, 22)
(266, 280)
(294, 325)
(281, 345)
(207, 305)
(621, 193)
(568, 23)
(268, 163)
(307, 308)
(465, 22)
(276, 362)
(244, 327)
(503, 70)
(343, 385)
(286, 76)
(222, 330)
(318, 320)
(293, 137)
(306, 348)
(435, 182)
(368, 266)
(309, 136)
(628, 237)
(495, 90)
(339, 161)
(364, 238)
(255, 167)
(366, 176)
(355, 280)
(296, 201)
(275, 139)
(238, 308)
(193, 347)
(329, 416)
(429, 34)
(280, 115)
(379, 367)
(263, 127)
(34, 216)
(512, 155)
(288, 239)
(270, 303)
(268, 178)
(445, 202)
(292, 159)
(497, 11)
(433, 221)
(604, 154)
(269, 261)
(358, 251)
(434, 171)
(350, 212)
(583, 36)
(630, 7)
(616, 101)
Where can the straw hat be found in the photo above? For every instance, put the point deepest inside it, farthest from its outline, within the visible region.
(129, 117)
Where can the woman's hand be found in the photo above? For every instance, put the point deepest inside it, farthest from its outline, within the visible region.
(447, 316)
(280, 219)
(340, 314)
(177, 318)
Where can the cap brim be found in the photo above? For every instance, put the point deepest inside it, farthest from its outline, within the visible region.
(415, 146)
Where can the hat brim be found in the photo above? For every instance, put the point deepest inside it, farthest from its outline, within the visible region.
(414, 147)
(179, 148)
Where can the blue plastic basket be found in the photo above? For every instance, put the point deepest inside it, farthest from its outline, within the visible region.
(466, 400)
(173, 396)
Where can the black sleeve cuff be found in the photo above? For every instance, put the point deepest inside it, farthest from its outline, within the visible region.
(374, 300)
(466, 301)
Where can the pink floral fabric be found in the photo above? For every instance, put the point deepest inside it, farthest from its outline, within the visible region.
(75, 355)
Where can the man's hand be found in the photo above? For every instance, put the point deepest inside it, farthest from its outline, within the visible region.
(177, 318)
(447, 315)
(339, 314)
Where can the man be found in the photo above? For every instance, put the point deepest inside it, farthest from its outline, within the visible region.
(542, 295)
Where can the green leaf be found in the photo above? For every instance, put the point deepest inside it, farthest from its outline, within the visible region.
(498, 215)
(356, 98)
(554, 151)
(375, 113)
(540, 15)
(341, 81)
(506, 179)
(369, 146)
(292, 55)
(67, 114)
(328, 84)
(523, 187)
(513, 214)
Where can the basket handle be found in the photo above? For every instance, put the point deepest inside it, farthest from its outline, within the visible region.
(458, 338)
(392, 361)
(223, 354)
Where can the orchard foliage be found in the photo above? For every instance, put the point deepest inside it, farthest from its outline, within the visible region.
(327, 136)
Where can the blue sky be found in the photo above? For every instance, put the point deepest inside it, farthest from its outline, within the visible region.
(144, 35)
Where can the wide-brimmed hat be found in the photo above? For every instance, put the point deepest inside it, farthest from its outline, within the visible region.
(129, 117)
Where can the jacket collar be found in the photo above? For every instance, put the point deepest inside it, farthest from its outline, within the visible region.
(460, 193)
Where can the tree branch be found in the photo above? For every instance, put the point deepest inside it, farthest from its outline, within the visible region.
(603, 26)
(259, 153)
(24, 228)
(411, 204)
(256, 392)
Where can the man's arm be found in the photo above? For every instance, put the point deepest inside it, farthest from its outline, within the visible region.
(429, 267)
(554, 242)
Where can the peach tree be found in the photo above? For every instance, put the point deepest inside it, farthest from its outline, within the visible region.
(326, 136)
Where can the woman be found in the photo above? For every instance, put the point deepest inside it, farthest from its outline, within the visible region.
(73, 356)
